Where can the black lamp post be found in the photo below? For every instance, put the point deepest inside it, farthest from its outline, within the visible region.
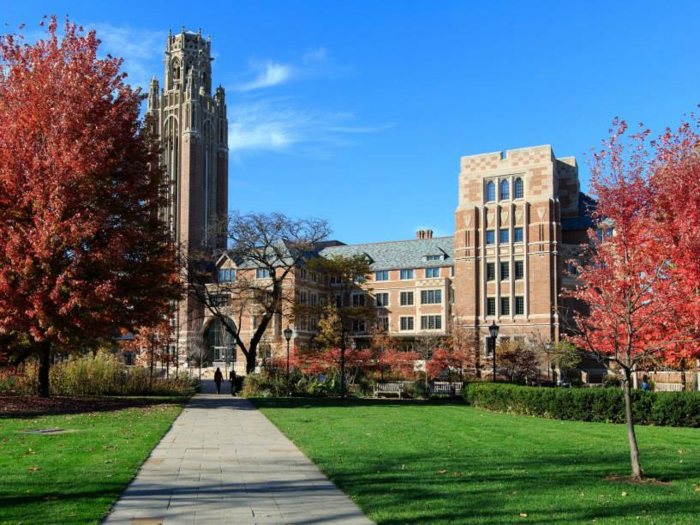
(288, 337)
(493, 330)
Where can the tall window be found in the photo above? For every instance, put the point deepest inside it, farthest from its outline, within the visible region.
(517, 234)
(491, 306)
(490, 237)
(490, 191)
(519, 306)
(381, 276)
(491, 271)
(406, 298)
(505, 271)
(406, 274)
(519, 270)
(406, 323)
(505, 190)
(518, 189)
(504, 235)
(302, 297)
(382, 299)
(431, 296)
(431, 273)
(505, 305)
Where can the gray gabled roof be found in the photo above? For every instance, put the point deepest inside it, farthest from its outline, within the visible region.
(400, 254)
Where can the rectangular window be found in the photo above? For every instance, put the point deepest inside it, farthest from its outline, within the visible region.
(303, 324)
(519, 270)
(505, 271)
(314, 299)
(302, 297)
(338, 301)
(384, 323)
(431, 296)
(381, 276)
(262, 273)
(431, 273)
(504, 236)
(313, 276)
(505, 305)
(452, 271)
(519, 306)
(433, 257)
(406, 274)
(359, 325)
(303, 274)
(431, 322)
(491, 271)
(406, 298)
(490, 237)
(227, 275)
(491, 306)
(382, 299)
(517, 235)
(406, 323)
(358, 300)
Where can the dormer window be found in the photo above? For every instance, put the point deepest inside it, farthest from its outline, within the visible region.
(227, 275)
(433, 257)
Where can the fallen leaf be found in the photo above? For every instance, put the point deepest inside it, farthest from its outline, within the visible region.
(33, 469)
(624, 494)
(523, 515)
(441, 471)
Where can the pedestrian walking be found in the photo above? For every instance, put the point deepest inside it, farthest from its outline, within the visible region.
(218, 378)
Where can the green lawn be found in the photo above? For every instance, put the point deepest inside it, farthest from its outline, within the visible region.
(74, 478)
(417, 462)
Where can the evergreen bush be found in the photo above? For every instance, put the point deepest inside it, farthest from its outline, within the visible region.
(675, 409)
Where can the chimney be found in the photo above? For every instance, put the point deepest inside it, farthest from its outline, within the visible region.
(420, 234)
(428, 234)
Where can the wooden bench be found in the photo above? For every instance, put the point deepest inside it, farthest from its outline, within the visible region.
(445, 388)
(388, 389)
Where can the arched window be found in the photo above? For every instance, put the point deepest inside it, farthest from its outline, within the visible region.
(518, 188)
(505, 190)
(490, 191)
(219, 342)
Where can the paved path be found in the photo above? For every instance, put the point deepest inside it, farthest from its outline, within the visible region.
(224, 462)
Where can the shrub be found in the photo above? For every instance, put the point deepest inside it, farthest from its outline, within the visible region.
(97, 375)
(274, 383)
(678, 409)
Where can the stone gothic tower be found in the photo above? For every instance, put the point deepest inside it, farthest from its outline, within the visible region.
(192, 128)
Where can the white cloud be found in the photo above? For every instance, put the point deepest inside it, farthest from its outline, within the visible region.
(268, 74)
(275, 124)
(141, 49)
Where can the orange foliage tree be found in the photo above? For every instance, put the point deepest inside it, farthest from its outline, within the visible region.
(82, 252)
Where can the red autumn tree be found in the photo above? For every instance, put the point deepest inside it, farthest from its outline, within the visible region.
(399, 363)
(82, 252)
(629, 282)
(450, 359)
(152, 344)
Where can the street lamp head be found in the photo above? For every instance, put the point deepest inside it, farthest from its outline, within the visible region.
(493, 330)
(288, 334)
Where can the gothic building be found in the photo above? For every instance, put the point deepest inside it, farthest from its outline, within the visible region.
(192, 127)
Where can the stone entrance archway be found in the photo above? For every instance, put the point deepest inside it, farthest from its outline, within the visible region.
(219, 345)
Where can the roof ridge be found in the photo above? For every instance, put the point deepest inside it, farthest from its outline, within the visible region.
(392, 242)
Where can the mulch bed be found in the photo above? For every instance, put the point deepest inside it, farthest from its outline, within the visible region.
(31, 406)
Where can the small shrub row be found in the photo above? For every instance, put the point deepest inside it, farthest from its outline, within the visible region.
(275, 384)
(675, 409)
(97, 375)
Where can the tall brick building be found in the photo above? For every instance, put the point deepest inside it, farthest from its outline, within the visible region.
(192, 126)
(520, 217)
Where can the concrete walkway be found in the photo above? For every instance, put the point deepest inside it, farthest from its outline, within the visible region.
(224, 462)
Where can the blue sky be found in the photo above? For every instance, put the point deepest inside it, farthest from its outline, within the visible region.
(358, 111)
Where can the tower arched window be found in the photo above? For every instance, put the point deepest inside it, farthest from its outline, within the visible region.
(518, 189)
(490, 191)
(505, 190)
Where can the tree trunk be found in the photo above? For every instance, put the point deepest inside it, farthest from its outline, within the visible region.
(44, 368)
(250, 359)
(629, 416)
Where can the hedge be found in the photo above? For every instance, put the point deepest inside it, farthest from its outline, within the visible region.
(675, 409)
